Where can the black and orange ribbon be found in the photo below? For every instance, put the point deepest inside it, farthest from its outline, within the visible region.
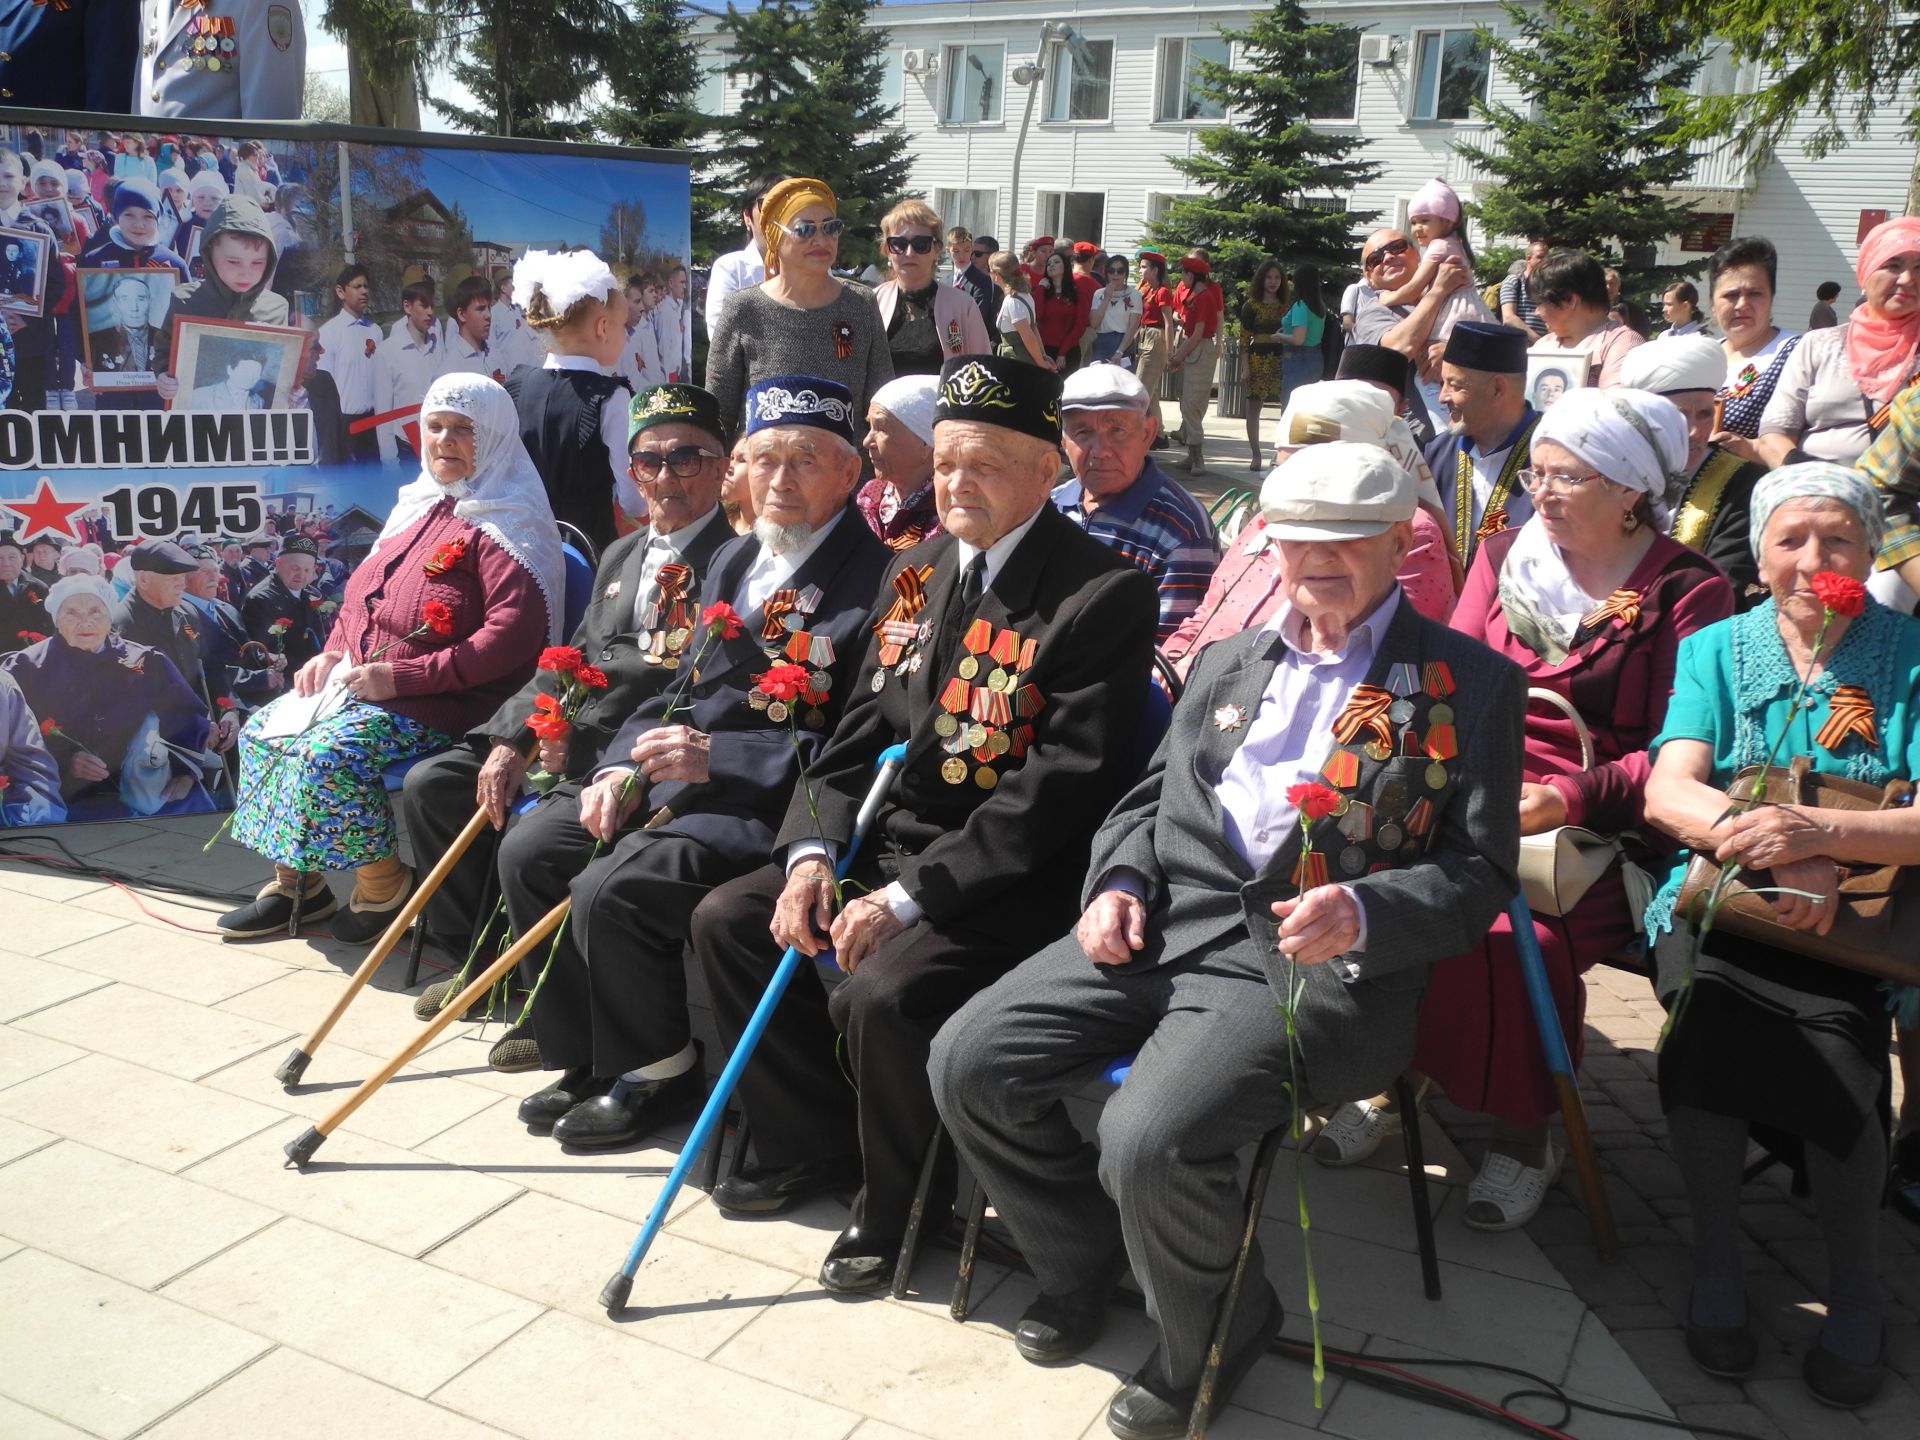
(62, 6)
(772, 615)
(1492, 523)
(1621, 605)
(909, 596)
(1366, 711)
(1850, 713)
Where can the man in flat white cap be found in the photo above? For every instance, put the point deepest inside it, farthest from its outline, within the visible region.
(1124, 500)
(1215, 889)
(1710, 499)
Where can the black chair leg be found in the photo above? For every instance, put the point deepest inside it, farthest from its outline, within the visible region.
(1202, 1412)
(917, 1214)
(976, 1208)
(1417, 1182)
(741, 1140)
(413, 954)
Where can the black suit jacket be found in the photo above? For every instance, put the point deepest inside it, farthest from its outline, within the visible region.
(271, 600)
(23, 613)
(753, 760)
(1009, 860)
(606, 637)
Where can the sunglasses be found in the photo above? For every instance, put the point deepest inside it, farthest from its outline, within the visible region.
(901, 244)
(807, 229)
(1392, 247)
(980, 254)
(682, 460)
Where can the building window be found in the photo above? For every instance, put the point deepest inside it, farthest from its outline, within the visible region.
(892, 85)
(1080, 81)
(1450, 72)
(1337, 101)
(975, 210)
(973, 83)
(1182, 95)
(1159, 202)
(1071, 214)
(712, 96)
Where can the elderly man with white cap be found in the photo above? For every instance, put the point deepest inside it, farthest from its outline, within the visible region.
(898, 502)
(1246, 589)
(1711, 498)
(1124, 500)
(1334, 808)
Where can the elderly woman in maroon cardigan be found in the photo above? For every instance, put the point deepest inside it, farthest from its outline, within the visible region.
(438, 626)
(1592, 600)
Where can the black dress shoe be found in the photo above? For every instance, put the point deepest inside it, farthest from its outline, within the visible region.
(860, 1260)
(1841, 1383)
(768, 1192)
(1147, 1409)
(1059, 1327)
(630, 1109)
(540, 1110)
(269, 912)
(1728, 1351)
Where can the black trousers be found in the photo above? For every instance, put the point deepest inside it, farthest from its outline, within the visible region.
(795, 1091)
(436, 802)
(615, 997)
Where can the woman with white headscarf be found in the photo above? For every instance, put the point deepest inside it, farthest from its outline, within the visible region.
(438, 626)
(898, 502)
(1773, 1044)
(1592, 600)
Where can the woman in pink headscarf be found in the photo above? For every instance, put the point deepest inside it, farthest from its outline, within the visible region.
(1837, 390)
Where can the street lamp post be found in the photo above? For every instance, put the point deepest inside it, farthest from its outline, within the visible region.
(1052, 33)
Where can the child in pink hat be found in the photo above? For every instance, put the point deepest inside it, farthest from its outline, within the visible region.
(1433, 218)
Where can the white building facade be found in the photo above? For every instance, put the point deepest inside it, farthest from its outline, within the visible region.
(1108, 112)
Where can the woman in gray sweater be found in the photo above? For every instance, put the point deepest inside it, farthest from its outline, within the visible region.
(801, 320)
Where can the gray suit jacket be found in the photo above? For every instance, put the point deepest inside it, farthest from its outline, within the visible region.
(1432, 896)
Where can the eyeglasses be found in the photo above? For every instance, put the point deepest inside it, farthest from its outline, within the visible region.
(807, 229)
(1535, 480)
(1392, 247)
(682, 460)
(980, 254)
(901, 244)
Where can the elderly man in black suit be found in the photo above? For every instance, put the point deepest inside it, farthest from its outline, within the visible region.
(23, 600)
(1215, 887)
(1012, 657)
(612, 1012)
(646, 589)
(283, 610)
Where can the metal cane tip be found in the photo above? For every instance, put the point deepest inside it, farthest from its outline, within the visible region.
(614, 1297)
(300, 1151)
(293, 1068)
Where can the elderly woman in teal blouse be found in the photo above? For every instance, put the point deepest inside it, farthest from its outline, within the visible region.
(1794, 1049)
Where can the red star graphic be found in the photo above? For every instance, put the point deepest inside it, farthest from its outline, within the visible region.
(46, 512)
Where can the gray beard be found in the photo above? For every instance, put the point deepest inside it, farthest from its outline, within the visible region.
(779, 539)
(1457, 427)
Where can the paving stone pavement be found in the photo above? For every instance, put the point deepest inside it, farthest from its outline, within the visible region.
(434, 1273)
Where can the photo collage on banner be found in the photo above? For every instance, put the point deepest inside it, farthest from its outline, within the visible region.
(210, 384)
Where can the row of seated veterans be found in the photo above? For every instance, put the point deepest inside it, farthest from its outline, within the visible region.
(1036, 898)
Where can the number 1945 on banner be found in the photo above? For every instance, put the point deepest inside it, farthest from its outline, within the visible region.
(163, 511)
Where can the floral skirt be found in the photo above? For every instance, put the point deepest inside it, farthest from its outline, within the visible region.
(315, 801)
(1264, 374)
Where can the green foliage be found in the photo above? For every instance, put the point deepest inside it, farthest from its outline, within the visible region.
(1490, 265)
(529, 67)
(1266, 171)
(1582, 161)
(869, 165)
(1837, 61)
(653, 78)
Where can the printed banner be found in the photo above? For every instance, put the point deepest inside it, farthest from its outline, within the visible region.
(214, 355)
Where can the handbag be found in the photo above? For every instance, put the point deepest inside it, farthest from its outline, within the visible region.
(1559, 866)
(1876, 903)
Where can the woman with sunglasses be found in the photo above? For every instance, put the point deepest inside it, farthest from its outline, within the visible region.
(926, 322)
(802, 320)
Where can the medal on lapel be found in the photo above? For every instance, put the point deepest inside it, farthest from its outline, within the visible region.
(842, 340)
(896, 629)
(979, 635)
(953, 337)
(1232, 717)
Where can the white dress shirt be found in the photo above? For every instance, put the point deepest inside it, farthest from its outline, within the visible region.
(660, 550)
(345, 356)
(736, 270)
(770, 572)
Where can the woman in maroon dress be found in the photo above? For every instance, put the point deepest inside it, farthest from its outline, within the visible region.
(1592, 600)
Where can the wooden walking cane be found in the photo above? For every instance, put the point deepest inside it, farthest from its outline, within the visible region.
(301, 1150)
(295, 1065)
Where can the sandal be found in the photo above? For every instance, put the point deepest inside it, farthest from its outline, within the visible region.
(1353, 1132)
(1506, 1194)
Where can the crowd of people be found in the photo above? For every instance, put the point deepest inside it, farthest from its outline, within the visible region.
(933, 516)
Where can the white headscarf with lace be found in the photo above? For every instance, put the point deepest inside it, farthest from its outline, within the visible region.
(504, 496)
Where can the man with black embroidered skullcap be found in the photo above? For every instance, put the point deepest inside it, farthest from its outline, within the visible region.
(1477, 463)
(1013, 660)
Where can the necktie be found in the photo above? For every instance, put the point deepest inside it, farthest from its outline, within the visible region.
(973, 581)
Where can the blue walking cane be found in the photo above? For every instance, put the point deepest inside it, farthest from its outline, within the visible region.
(614, 1296)
(1573, 1114)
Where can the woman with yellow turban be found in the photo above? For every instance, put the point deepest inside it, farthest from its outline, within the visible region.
(802, 320)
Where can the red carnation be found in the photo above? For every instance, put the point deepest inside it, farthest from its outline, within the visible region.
(782, 682)
(50, 727)
(725, 619)
(5, 781)
(437, 617)
(546, 703)
(223, 702)
(1314, 801)
(280, 626)
(561, 659)
(591, 676)
(1841, 594)
(32, 637)
(548, 725)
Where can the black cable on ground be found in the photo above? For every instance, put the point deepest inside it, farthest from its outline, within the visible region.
(67, 861)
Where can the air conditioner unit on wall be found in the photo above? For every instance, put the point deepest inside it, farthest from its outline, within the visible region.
(919, 62)
(1376, 49)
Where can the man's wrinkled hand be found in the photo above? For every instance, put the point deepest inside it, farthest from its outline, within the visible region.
(863, 927)
(499, 782)
(803, 915)
(673, 752)
(1113, 928)
(1319, 926)
(602, 811)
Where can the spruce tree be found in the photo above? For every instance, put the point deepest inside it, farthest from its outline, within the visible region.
(1582, 160)
(1267, 168)
(866, 159)
(529, 68)
(653, 78)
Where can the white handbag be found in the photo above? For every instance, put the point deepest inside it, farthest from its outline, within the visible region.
(1559, 866)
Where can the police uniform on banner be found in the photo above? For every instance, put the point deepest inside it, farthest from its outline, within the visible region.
(287, 621)
(646, 588)
(68, 54)
(1017, 676)
(221, 59)
(175, 631)
(23, 600)
(1480, 488)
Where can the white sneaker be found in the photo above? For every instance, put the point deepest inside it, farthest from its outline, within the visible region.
(1506, 1194)
(1353, 1132)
